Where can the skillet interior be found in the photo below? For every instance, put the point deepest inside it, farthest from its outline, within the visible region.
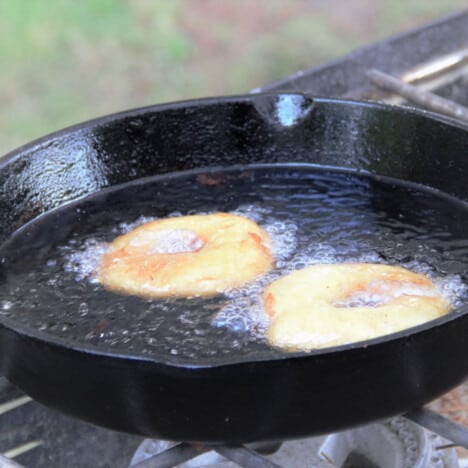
(224, 132)
(314, 216)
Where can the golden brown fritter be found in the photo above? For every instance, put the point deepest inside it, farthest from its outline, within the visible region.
(187, 256)
(331, 305)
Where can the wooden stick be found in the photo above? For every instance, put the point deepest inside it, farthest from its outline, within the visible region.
(423, 98)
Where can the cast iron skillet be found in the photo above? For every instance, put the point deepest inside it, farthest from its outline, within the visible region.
(292, 396)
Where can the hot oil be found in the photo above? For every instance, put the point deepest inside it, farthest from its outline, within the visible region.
(48, 280)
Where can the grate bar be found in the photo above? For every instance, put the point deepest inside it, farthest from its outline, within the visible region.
(15, 452)
(245, 457)
(442, 426)
(174, 456)
(16, 403)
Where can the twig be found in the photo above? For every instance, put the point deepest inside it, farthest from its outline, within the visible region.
(424, 98)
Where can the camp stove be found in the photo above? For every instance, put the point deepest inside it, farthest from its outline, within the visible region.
(428, 68)
(397, 443)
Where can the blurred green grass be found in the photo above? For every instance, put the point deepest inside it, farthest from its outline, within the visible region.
(64, 61)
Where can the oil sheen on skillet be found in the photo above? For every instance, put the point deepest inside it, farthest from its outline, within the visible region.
(313, 216)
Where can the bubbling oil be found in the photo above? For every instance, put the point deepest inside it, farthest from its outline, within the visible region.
(49, 283)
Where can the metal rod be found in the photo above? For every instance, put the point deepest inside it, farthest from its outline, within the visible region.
(173, 456)
(446, 428)
(14, 452)
(11, 405)
(244, 456)
(412, 93)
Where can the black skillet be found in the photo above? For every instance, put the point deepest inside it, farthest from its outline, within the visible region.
(292, 395)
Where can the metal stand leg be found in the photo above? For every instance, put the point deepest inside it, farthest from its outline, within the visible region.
(450, 430)
(244, 456)
(173, 456)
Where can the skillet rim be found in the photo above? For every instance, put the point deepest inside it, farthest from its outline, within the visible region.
(93, 350)
(16, 153)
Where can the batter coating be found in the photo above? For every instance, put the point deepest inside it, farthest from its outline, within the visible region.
(331, 305)
(186, 256)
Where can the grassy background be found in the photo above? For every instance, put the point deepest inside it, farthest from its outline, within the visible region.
(64, 61)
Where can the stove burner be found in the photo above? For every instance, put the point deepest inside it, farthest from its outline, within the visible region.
(397, 443)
